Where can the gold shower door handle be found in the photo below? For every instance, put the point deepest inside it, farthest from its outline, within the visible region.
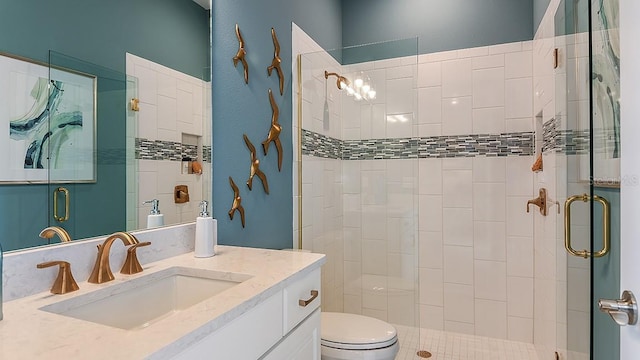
(605, 226)
(66, 204)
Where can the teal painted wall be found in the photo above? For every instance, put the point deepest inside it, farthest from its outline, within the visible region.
(439, 25)
(244, 109)
(539, 9)
(572, 17)
(97, 32)
(101, 32)
(606, 279)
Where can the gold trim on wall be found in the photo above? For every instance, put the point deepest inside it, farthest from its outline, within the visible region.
(299, 160)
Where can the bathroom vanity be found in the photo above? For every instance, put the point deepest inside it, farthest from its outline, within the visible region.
(262, 304)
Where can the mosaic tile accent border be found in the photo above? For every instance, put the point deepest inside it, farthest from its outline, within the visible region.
(158, 150)
(568, 142)
(508, 144)
(550, 136)
(572, 142)
(189, 151)
(318, 145)
(166, 150)
(207, 153)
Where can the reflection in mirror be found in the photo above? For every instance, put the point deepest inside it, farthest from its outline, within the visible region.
(172, 140)
(170, 38)
(93, 208)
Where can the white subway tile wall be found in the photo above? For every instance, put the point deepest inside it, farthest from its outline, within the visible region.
(172, 104)
(451, 213)
(451, 232)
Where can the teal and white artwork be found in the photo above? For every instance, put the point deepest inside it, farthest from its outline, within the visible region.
(48, 116)
(605, 85)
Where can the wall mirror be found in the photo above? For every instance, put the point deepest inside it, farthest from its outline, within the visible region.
(102, 114)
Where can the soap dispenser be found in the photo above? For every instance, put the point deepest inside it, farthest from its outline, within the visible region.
(206, 232)
(155, 218)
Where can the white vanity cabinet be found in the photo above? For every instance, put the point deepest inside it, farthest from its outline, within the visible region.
(303, 343)
(301, 340)
(284, 326)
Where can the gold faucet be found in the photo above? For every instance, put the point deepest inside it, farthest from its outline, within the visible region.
(540, 201)
(51, 231)
(64, 282)
(102, 270)
(131, 263)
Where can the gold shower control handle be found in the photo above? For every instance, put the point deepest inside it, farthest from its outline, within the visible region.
(606, 243)
(66, 204)
(540, 201)
(314, 295)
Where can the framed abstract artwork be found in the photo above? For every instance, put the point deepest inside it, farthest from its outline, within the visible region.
(605, 90)
(48, 123)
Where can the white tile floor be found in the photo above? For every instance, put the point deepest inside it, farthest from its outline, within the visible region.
(454, 346)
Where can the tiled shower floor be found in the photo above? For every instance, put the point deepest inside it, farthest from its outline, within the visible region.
(453, 346)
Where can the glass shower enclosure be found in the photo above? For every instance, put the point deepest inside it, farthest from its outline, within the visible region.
(359, 177)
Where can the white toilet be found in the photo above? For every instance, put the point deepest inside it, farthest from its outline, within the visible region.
(356, 337)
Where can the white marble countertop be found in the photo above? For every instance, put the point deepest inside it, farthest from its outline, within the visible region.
(30, 333)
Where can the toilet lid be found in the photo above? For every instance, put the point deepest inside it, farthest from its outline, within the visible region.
(351, 331)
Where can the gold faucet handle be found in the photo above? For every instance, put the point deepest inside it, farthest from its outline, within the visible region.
(131, 264)
(65, 282)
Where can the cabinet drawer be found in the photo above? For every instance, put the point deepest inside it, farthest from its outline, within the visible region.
(303, 343)
(301, 299)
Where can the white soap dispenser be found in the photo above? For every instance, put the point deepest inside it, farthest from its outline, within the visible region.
(206, 233)
(155, 218)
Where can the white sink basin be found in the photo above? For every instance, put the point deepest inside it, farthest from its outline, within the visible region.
(140, 302)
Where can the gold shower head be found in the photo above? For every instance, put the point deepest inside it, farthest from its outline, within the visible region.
(341, 81)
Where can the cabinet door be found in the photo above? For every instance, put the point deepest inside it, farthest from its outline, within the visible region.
(303, 343)
(247, 337)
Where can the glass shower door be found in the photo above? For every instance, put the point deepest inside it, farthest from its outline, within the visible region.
(359, 180)
(85, 147)
(585, 134)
